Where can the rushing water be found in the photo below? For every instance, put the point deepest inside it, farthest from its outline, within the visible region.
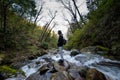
(110, 68)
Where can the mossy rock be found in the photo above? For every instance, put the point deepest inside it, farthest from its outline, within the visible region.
(74, 52)
(43, 69)
(8, 71)
(101, 48)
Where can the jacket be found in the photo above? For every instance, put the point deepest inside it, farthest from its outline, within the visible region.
(60, 41)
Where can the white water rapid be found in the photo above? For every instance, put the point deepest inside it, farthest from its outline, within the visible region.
(110, 68)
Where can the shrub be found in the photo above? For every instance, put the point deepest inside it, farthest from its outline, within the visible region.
(44, 45)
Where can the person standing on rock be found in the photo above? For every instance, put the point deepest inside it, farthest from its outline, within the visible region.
(60, 43)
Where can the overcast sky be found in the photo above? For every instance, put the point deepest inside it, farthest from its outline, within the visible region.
(57, 6)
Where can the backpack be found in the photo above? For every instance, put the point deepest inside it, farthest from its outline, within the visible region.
(64, 41)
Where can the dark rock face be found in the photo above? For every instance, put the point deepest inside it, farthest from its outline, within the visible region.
(74, 52)
(94, 74)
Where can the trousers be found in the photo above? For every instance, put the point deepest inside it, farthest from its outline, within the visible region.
(60, 51)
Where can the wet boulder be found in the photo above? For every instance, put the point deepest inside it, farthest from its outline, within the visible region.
(75, 74)
(82, 70)
(37, 76)
(63, 75)
(18, 77)
(94, 74)
(38, 62)
(32, 56)
(47, 59)
(43, 69)
(61, 66)
(74, 52)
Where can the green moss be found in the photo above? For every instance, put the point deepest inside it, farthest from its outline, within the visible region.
(44, 45)
(102, 48)
(8, 71)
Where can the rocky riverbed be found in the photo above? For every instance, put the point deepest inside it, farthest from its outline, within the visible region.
(77, 66)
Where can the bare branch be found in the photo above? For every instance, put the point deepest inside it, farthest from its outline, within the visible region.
(71, 8)
(46, 27)
(50, 31)
(39, 19)
(66, 19)
(78, 11)
(39, 12)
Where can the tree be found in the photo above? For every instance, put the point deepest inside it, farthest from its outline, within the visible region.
(92, 5)
(39, 11)
(76, 7)
(23, 8)
(72, 7)
(49, 31)
(47, 25)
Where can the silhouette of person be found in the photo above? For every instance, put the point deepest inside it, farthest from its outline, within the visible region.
(60, 43)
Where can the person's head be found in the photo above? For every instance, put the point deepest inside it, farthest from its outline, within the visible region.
(59, 32)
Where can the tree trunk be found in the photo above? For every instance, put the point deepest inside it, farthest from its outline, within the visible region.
(78, 11)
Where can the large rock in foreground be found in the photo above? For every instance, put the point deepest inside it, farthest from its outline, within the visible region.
(61, 76)
(61, 67)
(94, 74)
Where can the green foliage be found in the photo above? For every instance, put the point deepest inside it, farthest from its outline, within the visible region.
(53, 40)
(9, 71)
(103, 9)
(44, 45)
(21, 36)
(21, 7)
(102, 48)
(101, 29)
